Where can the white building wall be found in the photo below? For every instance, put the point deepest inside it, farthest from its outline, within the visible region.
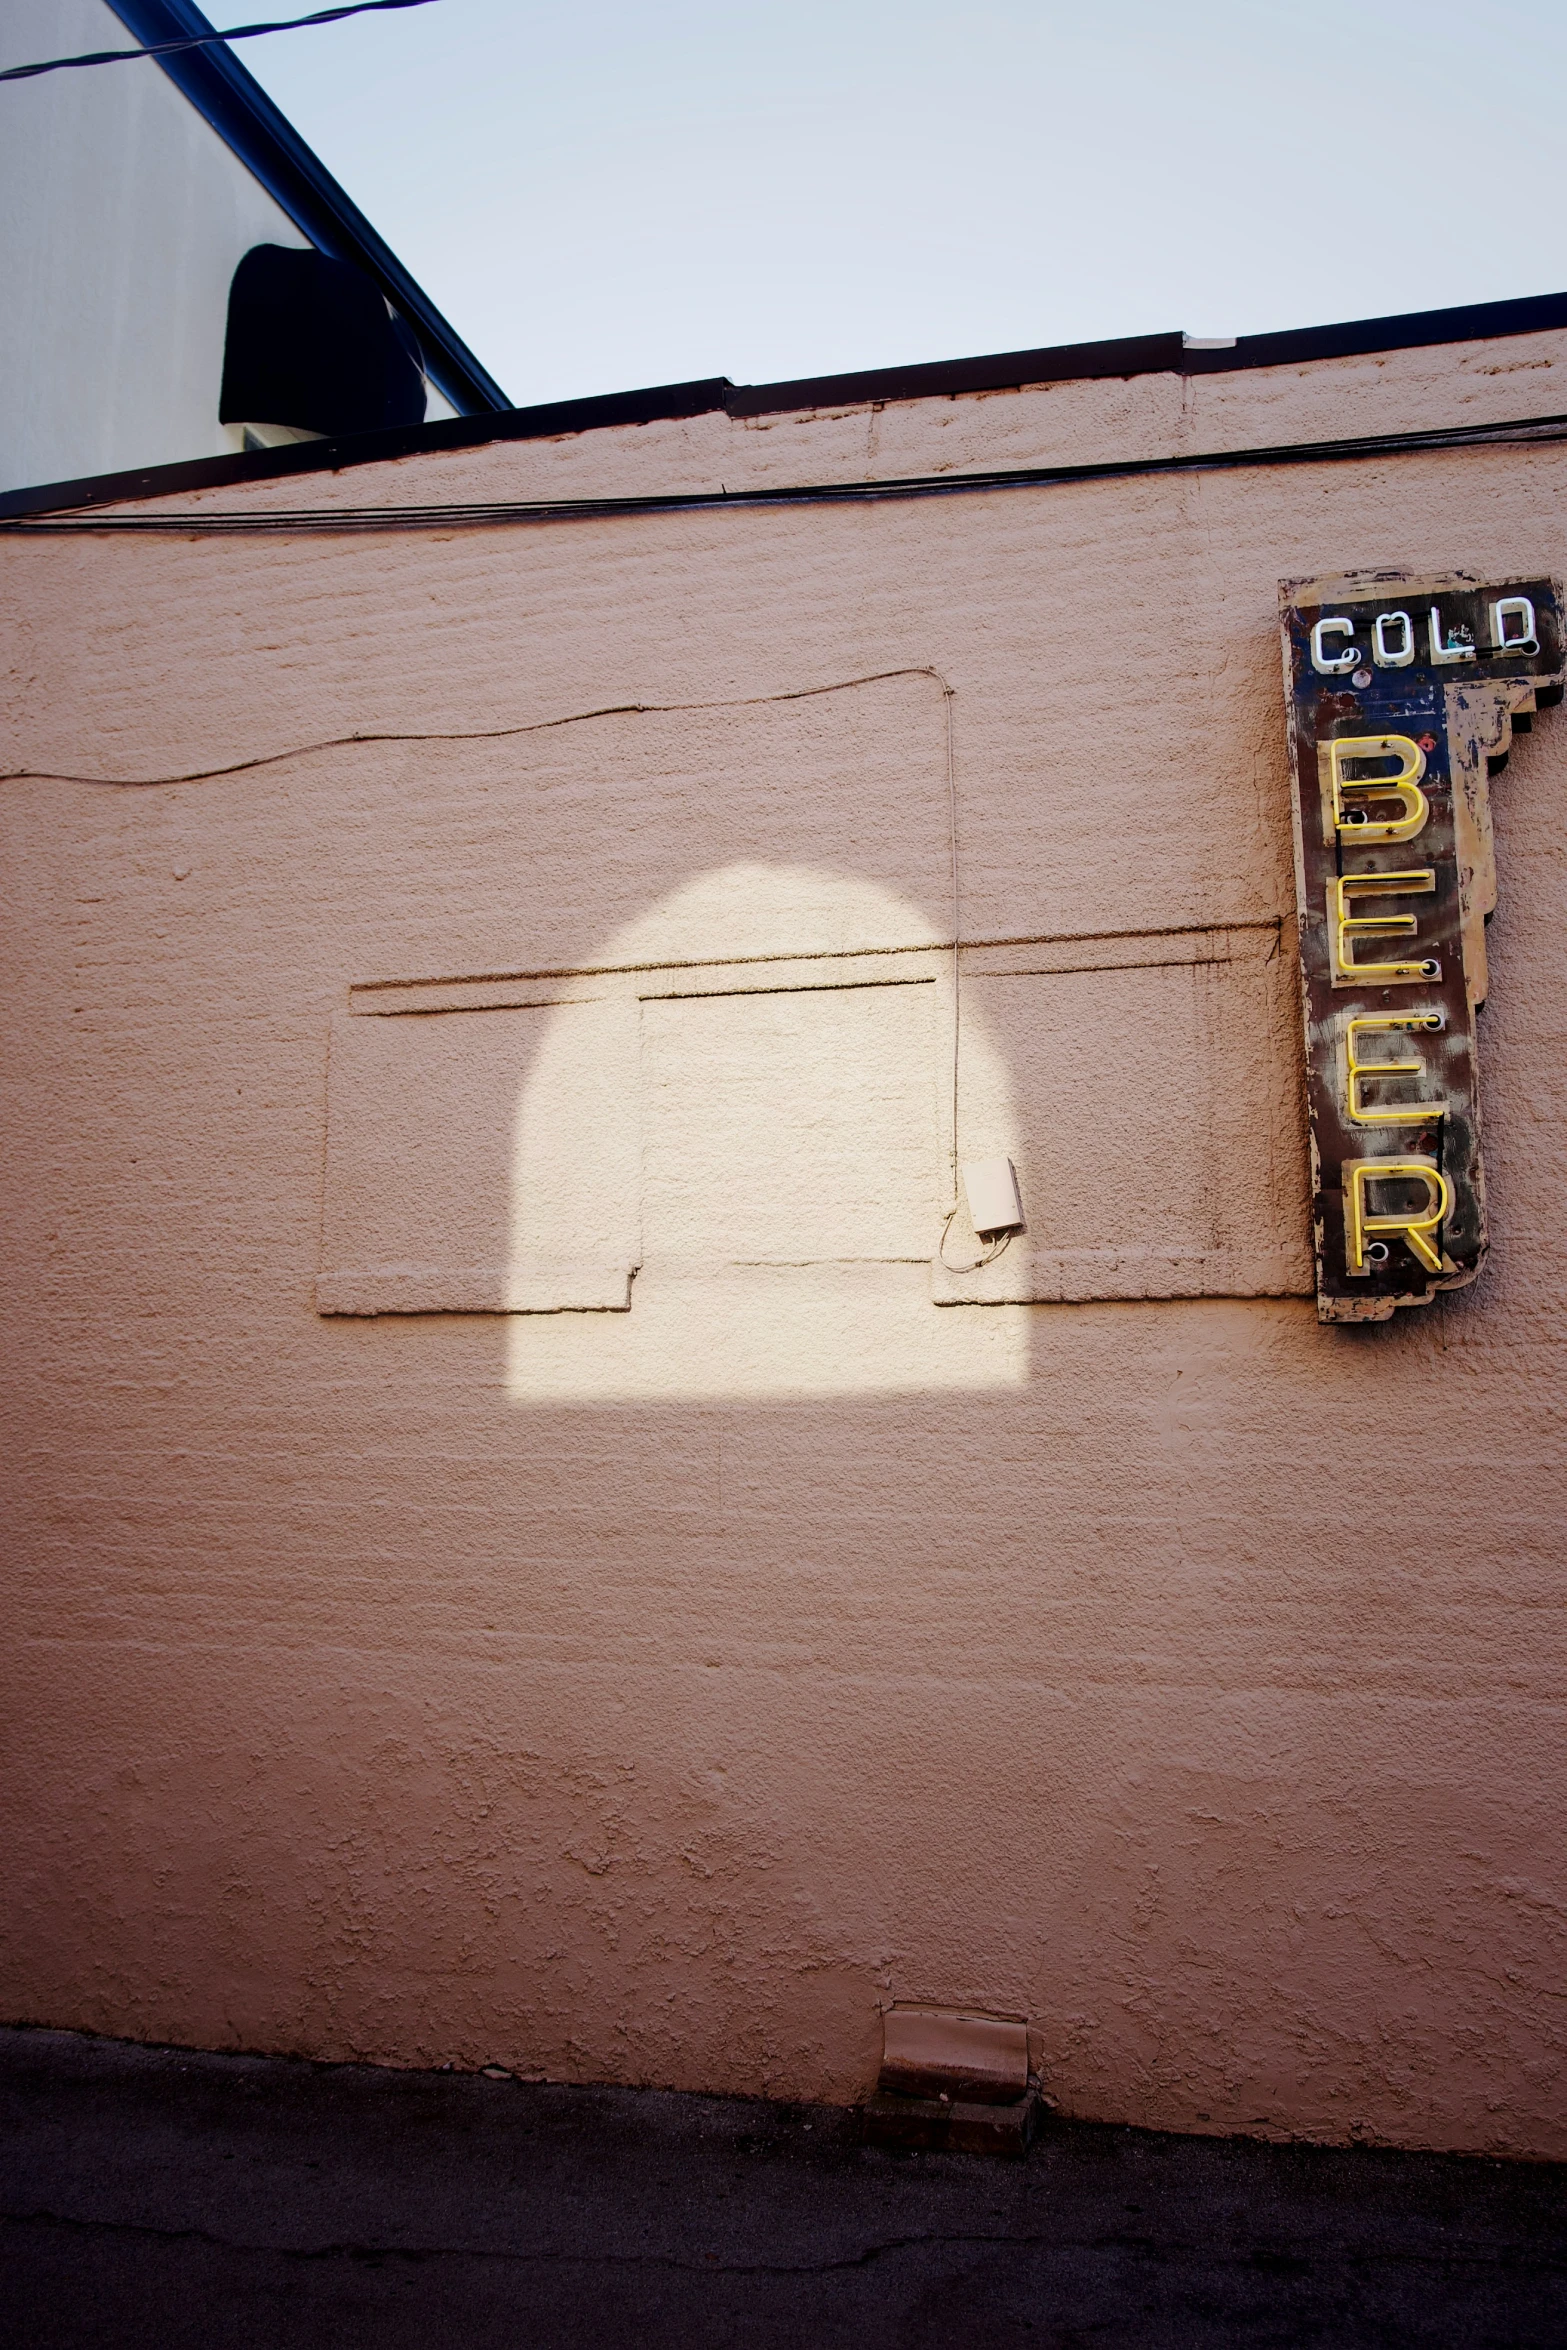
(123, 217)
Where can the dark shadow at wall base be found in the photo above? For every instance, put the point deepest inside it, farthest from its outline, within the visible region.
(950, 2125)
(158, 2196)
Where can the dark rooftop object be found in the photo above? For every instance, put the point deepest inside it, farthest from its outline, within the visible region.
(312, 344)
(244, 117)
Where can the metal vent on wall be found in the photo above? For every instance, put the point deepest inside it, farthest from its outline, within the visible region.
(312, 345)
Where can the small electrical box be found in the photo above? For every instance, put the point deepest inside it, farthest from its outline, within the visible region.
(990, 1187)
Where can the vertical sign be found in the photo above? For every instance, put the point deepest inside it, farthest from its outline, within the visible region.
(1403, 695)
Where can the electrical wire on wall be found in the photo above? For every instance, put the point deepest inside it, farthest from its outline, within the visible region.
(72, 514)
(485, 734)
(988, 1253)
(202, 522)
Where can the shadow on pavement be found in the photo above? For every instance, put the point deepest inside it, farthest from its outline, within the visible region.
(159, 2197)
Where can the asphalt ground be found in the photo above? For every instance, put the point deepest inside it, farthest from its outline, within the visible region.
(154, 2196)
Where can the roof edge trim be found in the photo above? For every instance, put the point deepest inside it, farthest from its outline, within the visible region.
(556, 420)
(941, 379)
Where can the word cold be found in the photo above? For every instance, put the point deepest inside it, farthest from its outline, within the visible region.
(1403, 698)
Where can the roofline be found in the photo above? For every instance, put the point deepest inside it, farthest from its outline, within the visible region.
(266, 142)
(942, 379)
(1176, 354)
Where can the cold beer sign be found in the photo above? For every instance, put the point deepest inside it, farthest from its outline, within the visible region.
(1404, 695)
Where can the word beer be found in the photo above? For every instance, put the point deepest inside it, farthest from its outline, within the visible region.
(1403, 698)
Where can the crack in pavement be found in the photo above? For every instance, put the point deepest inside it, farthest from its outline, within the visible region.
(1446, 2260)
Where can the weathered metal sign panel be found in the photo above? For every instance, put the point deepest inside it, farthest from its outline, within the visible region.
(1403, 697)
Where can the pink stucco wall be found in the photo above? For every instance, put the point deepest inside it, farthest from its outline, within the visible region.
(650, 1696)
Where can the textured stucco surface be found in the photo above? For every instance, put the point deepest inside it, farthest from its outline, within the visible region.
(646, 1696)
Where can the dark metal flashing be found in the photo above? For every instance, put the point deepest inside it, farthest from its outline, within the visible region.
(1413, 330)
(1156, 355)
(266, 142)
(1002, 371)
(558, 418)
(945, 379)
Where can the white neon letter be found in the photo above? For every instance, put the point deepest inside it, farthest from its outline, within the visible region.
(1441, 651)
(1385, 656)
(1329, 664)
(1513, 608)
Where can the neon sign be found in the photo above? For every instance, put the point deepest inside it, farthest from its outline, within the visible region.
(1404, 695)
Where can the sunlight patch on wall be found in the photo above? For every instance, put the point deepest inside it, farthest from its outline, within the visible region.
(782, 1165)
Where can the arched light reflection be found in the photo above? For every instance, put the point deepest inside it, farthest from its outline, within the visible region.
(770, 1149)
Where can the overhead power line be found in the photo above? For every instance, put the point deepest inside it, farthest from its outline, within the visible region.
(238, 32)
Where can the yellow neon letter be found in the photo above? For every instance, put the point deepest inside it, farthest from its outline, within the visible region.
(1361, 1230)
(1356, 1070)
(1403, 787)
(1344, 928)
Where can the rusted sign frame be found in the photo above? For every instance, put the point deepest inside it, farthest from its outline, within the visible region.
(1403, 696)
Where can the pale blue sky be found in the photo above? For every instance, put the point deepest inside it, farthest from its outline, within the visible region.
(605, 195)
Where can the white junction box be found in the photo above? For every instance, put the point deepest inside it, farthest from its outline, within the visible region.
(990, 1187)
